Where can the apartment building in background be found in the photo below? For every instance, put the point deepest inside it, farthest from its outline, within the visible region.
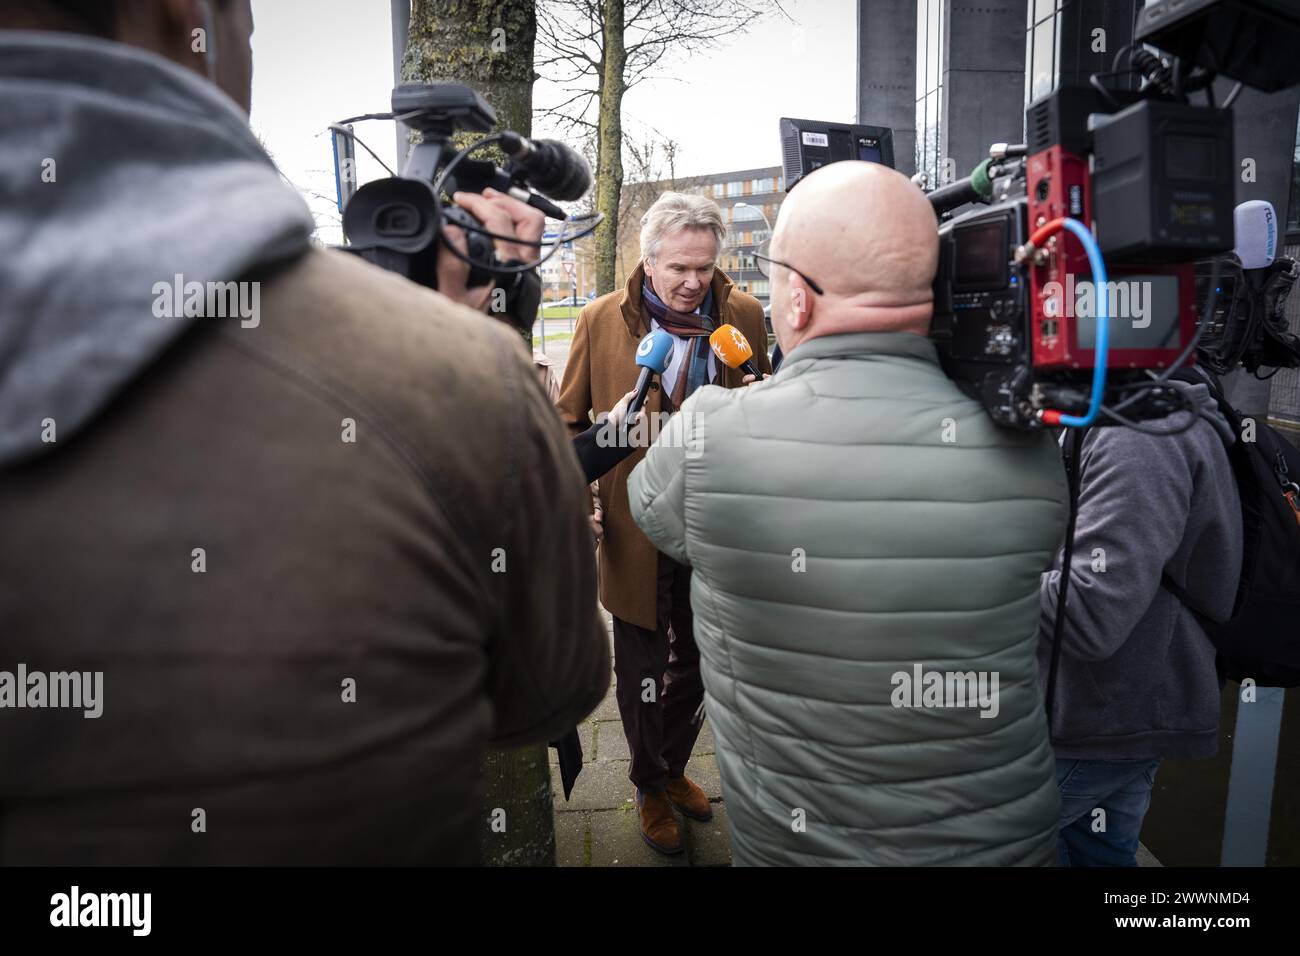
(750, 200)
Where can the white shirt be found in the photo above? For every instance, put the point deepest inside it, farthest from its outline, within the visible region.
(681, 344)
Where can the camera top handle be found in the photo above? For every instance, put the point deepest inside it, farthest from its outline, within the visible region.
(437, 111)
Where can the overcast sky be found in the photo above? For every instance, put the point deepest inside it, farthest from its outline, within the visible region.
(318, 61)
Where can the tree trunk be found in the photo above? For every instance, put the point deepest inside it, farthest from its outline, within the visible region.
(488, 45)
(518, 782)
(609, 181)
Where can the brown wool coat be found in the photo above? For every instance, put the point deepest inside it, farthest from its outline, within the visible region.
(371, 559)
(601, 369)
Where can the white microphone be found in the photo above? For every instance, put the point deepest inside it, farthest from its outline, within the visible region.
(1255, 229)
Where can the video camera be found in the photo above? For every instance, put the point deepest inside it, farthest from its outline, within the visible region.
(399, 223)
(1070, 294)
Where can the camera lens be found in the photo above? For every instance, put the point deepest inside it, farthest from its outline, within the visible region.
(397, 220)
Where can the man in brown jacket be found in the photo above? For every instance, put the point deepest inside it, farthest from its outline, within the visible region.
(676, 287)
(287, 540)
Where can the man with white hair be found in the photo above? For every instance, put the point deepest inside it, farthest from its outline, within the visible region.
(866, 548)
(676, 287)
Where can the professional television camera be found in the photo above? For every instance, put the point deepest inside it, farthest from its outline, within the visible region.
(1070, 296)
(399, 223)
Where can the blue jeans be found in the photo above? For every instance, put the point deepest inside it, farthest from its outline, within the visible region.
(1102, 806)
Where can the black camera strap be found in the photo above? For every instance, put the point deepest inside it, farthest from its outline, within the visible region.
(1071, 450)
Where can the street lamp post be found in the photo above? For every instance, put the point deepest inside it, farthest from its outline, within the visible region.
(758, 209)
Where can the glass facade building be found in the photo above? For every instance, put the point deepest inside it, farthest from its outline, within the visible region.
(929, 86)
(1066, 41)
(750, 200)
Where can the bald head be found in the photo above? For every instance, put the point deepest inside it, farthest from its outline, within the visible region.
(868, 237)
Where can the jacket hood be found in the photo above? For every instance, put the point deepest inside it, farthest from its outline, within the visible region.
(124, 180)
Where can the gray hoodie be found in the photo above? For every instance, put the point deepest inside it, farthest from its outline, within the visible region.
(1136, 679)
(119, 172)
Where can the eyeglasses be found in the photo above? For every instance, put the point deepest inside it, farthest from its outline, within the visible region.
(763, 262)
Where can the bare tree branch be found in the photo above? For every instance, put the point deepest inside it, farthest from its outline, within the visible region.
(573, 116)
(571, 46)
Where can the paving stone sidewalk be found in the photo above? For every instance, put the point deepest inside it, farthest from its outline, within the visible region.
(598, 824)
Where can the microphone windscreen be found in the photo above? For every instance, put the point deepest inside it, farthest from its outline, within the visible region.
(654, 351)
(1255, 228)
(567, 176)
(730, 346)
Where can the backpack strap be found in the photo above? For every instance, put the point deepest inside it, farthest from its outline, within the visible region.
(1071, 452)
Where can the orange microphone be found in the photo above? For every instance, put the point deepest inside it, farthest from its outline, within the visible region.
(733, 350)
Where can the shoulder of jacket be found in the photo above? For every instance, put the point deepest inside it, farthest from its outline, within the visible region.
(610, 302)
(1173, 454)
(715, 402)
(377, 332)
(746, 303)
(342, 284)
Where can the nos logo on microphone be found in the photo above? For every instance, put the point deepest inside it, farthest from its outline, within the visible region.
(646, 345)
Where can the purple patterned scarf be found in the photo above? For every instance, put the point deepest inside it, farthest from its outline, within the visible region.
(696, 325)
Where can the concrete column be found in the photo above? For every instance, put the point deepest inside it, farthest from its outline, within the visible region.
(983, 79)
(1249, 811)
(887, 73)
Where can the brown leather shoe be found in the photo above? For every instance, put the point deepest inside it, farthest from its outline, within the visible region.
(687, 797)
(658, 825)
